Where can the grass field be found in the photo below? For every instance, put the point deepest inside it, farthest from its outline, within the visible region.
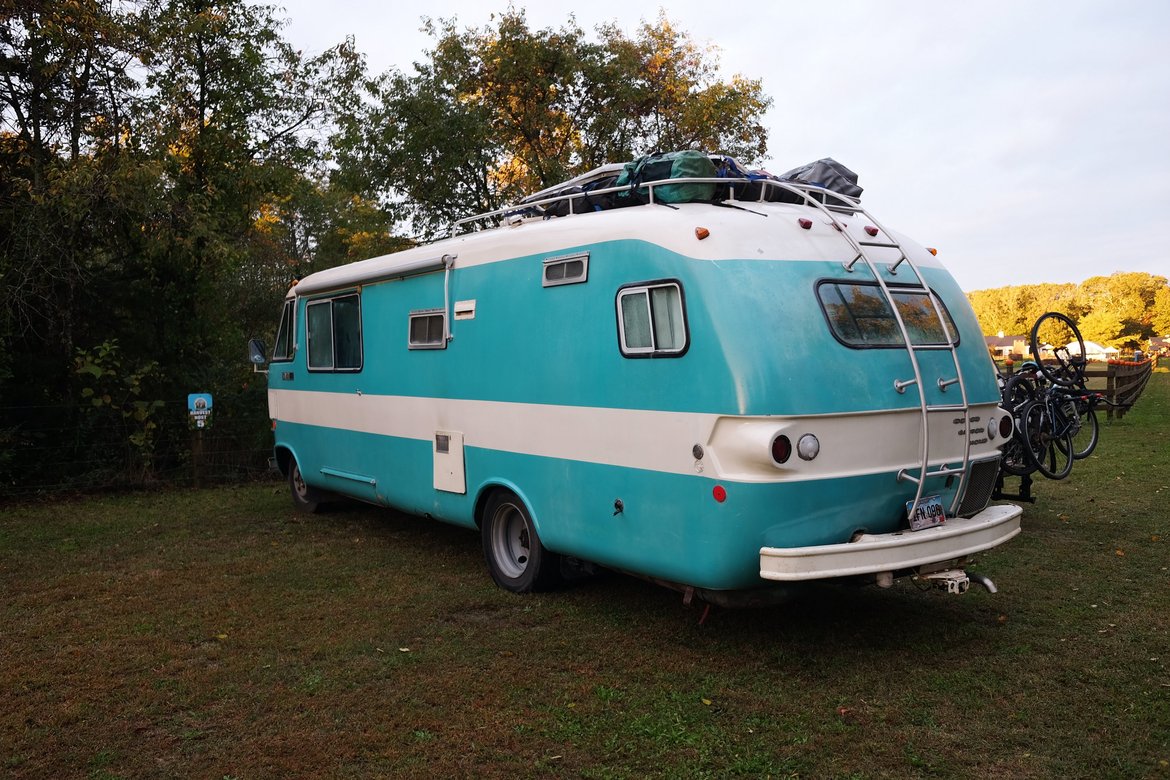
(217, 634)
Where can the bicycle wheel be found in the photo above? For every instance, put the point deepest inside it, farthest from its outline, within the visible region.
(1067, 346)
(1017, 392)
(1049, 453)
(1085, 439)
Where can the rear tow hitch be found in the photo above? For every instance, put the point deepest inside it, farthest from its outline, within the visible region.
(951, 580)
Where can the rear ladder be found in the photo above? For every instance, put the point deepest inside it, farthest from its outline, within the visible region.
(862, 253)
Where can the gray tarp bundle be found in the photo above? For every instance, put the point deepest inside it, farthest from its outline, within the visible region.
(827, 173)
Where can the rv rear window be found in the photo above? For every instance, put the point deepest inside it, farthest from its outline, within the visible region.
(651, 321)
(860, 316)
(283, 350)
(426, 330)
(569, 269)
(334, 330)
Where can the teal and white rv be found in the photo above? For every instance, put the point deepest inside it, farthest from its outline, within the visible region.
(758, 386)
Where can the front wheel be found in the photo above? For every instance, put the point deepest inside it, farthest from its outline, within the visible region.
(515, 556)
(1067, 346)
(305, 497)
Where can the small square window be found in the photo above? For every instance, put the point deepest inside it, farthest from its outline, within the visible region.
(426, 330)
(651, 321)
(567, 269)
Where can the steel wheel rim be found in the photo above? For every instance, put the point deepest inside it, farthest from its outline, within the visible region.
(298, 483)
(511, 540)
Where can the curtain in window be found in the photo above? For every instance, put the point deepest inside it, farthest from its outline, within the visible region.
(636, 321)
(667, 313)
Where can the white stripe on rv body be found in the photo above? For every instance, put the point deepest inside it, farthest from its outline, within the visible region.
(734, 234)
(735, 448)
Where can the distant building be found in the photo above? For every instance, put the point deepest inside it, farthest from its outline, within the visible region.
(1002, 346)
(1094, 351)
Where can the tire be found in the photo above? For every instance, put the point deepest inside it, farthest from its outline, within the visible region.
(1085, 440)
(517, 560)
(1018, 393)
(1069, 370)
(305, 498)
(1052, 455)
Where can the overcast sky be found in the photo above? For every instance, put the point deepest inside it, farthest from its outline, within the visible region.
(1028, 140)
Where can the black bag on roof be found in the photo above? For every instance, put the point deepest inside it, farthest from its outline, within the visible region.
(827, 173)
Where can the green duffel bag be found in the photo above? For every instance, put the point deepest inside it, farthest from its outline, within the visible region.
(687, 164)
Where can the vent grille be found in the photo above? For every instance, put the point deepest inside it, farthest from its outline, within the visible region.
(980, 485)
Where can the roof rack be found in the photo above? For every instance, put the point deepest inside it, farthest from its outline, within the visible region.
(534, 206)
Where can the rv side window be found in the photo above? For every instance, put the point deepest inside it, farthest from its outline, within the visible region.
(334, 331)
(859, 316)
(569, 269)
(651, 321)
(283, 350)
(426, 330)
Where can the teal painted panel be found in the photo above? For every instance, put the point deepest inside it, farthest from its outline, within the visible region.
(671, 527)
(759, 344)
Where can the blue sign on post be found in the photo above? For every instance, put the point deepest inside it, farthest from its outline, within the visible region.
(199, 406)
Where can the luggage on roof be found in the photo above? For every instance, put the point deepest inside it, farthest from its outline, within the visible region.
(659, 166)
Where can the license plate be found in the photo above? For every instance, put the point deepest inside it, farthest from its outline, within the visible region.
(927, 514)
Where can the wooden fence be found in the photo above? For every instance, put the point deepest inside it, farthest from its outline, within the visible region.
(1122, 382)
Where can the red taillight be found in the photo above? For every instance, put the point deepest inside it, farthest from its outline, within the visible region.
(871, 230)
(719, 493)
(781, 449)
(804, 223)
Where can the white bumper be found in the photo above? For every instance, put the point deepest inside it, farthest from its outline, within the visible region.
(874, 553)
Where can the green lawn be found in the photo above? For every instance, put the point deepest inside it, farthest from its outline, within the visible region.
(217, 634)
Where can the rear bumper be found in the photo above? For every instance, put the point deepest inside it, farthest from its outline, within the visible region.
(875, 553)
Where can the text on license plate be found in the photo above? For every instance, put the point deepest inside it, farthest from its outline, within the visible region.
(927, 514)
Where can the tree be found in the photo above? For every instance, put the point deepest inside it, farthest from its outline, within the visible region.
(1160, 318)
(492, 114)
(163, 176)
(1121, 310)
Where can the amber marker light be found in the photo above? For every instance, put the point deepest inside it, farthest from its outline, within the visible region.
(932, 250)
(701, 233)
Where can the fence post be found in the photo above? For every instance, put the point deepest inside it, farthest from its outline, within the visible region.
(1110, 389)
(197, 457)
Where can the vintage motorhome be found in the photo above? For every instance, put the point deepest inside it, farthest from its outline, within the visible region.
(724, 395)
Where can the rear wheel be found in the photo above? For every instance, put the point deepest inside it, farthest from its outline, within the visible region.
(515, 556)
(305, 497)
(1051, 453)
(1018, 395)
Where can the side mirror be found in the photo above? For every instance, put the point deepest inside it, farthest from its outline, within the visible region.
(257, 353)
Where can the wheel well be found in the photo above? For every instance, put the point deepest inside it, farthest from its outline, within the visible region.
(481, 501)
(283, 458)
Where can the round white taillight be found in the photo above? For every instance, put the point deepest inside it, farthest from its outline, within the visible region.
(808, 447)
